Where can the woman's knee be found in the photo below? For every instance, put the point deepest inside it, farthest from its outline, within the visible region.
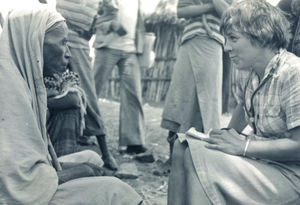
(83, 156)
(93, 157)
(116, 184)
(188, 161)
(113, 181)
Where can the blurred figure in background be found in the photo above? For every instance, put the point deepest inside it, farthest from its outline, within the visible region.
(115, 46)
(1, 21)
(292, 12)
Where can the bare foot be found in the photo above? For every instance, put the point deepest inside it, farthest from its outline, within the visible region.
(110, 162)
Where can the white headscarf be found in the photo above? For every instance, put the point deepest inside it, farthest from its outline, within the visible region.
(26, 175)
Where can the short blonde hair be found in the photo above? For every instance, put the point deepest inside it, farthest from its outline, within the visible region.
(264, 24)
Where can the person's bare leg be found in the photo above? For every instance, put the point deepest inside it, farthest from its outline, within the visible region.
(107, 157)
(194, 191)
(176, 186)
(171, 139)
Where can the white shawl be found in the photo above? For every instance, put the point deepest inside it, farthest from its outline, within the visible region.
(26, 175)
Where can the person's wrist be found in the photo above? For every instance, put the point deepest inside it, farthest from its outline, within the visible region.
(246, 147)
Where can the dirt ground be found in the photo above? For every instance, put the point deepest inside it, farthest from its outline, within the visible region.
(150, 186)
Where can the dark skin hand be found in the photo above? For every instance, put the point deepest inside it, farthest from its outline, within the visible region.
(194, 10)
(71, 100)
(220, 6)
(197, 10)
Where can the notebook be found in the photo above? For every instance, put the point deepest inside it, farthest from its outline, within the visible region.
(192, 132)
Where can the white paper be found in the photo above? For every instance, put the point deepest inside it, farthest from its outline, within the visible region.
(192, 132)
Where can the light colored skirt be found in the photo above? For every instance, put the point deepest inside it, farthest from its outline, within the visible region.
(229, 179)
(195, 93)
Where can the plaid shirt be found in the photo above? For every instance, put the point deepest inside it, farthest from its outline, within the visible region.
(276, 104)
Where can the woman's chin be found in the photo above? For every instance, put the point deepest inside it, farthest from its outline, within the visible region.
(240, 66)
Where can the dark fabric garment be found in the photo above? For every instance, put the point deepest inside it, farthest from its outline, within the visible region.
(294, 46)
(296, 40)
(63, 127)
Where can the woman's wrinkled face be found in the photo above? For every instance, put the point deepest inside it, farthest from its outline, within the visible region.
(56, 50)
(241, 52)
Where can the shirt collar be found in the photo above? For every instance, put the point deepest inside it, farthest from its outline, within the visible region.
(274, 63)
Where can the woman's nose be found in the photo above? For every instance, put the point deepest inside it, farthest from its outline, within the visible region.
(68, 53)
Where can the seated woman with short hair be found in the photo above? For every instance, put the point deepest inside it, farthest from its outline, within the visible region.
(263, 167)
(27, 161)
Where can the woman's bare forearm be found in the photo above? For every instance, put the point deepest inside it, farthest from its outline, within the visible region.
(283, 149)
(286, 149)
(194, 10)
(71, 100)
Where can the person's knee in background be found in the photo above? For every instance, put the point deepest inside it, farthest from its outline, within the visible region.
(83, 156)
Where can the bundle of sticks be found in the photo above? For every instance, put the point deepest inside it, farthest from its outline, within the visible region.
(167, 28)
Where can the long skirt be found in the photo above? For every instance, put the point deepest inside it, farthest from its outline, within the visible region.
(229, 179)
(194, 97)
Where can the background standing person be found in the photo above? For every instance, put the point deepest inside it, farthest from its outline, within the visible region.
(115, 46)
(1, 21)
(194, 97)
(80, 26)
(292, 12)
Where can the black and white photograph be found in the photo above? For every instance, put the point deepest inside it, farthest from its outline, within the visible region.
(150, 102)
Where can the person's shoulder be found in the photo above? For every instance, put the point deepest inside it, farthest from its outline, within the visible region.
(292, 61)
(290, 66)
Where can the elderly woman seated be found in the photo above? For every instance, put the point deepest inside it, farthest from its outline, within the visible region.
(263, 167)
(33, 46)
(67, 106)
